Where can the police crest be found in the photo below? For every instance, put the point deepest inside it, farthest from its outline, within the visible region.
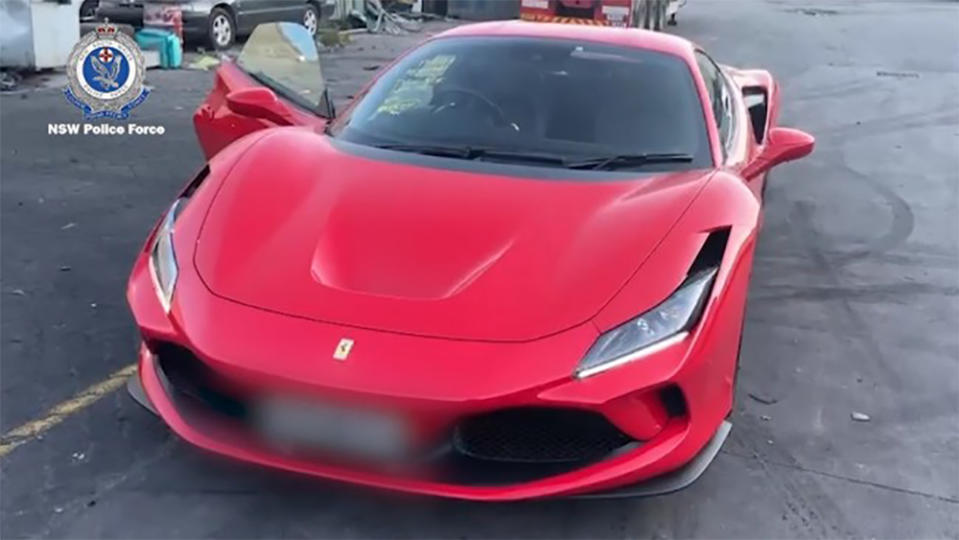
(105, 72)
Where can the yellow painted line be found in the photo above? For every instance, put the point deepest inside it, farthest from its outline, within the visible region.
(83, 399)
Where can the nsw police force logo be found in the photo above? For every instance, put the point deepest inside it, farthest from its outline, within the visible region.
(105, 72)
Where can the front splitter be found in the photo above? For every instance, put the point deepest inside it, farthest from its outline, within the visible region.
(136, 391)
(674, 481)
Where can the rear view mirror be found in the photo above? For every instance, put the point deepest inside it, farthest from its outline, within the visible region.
(782, 145)
(258, 102)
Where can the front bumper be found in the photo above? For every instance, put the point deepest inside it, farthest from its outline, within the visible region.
(438, 383)
(661, 485)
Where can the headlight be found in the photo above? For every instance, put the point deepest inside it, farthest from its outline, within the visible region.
(163, 266)
(658, 328)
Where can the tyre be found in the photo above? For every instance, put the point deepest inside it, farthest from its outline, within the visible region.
(88, 10)
(311, 18)
(221, 31)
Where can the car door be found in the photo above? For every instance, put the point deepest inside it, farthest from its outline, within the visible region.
(287, 10)
(732, 121)
(250, 13)
(267, 11)
(760, 101)
(276, 81)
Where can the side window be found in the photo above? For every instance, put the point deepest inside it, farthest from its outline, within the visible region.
(719, 97)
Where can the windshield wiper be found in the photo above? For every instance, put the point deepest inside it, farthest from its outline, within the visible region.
(617, 161)
(462, 152)
(514, 155)
(474, 152)
(496, 154)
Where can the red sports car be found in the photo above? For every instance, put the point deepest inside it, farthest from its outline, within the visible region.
(515, 266)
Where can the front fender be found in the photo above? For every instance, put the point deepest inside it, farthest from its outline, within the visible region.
(725, 202)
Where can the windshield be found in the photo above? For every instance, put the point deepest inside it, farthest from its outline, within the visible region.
(578, 102)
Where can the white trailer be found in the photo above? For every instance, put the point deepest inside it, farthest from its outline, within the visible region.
(38, 34)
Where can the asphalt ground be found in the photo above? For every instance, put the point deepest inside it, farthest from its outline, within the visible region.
(852, 308)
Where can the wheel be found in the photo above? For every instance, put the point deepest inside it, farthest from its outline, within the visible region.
(88, 9)
(222, 29)
(739, 364)
(311, 18)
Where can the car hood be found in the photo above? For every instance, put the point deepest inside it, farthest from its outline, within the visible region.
(307, 229)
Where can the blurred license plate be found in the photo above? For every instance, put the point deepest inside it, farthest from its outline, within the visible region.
(308, 425)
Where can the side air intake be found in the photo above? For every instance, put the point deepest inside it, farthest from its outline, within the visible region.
(711, 254)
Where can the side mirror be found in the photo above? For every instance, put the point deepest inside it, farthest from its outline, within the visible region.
(258, 102)
(782, 145)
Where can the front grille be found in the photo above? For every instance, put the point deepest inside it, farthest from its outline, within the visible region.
(195, 384)
(538, 435)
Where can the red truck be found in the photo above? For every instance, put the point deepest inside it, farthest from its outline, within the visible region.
(649, 14)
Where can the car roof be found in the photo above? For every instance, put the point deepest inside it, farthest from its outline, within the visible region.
(628, 37)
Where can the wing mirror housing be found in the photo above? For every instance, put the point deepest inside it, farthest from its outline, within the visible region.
(782, 145)
(258, 102)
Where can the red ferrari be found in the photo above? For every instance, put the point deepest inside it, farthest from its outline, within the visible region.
(514, 266)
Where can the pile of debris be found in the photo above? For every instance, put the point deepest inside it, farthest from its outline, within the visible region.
(395, 18)
(9, 80)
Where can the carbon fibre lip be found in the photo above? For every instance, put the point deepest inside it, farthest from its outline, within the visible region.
(674, 481)
(136, 391)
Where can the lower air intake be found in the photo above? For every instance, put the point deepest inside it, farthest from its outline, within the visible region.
(538, 435)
